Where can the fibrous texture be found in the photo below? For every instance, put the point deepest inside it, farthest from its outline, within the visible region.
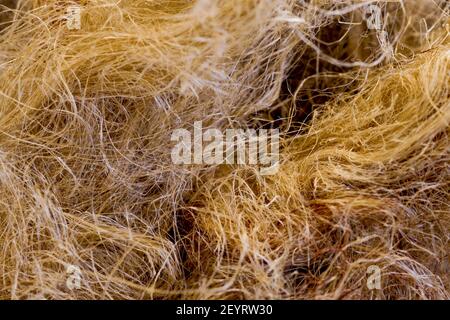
(86, 177)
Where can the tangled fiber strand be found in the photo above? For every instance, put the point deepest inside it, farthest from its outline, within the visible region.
(87, 180)
(86, 118)
(368, 184)
(340, 38)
